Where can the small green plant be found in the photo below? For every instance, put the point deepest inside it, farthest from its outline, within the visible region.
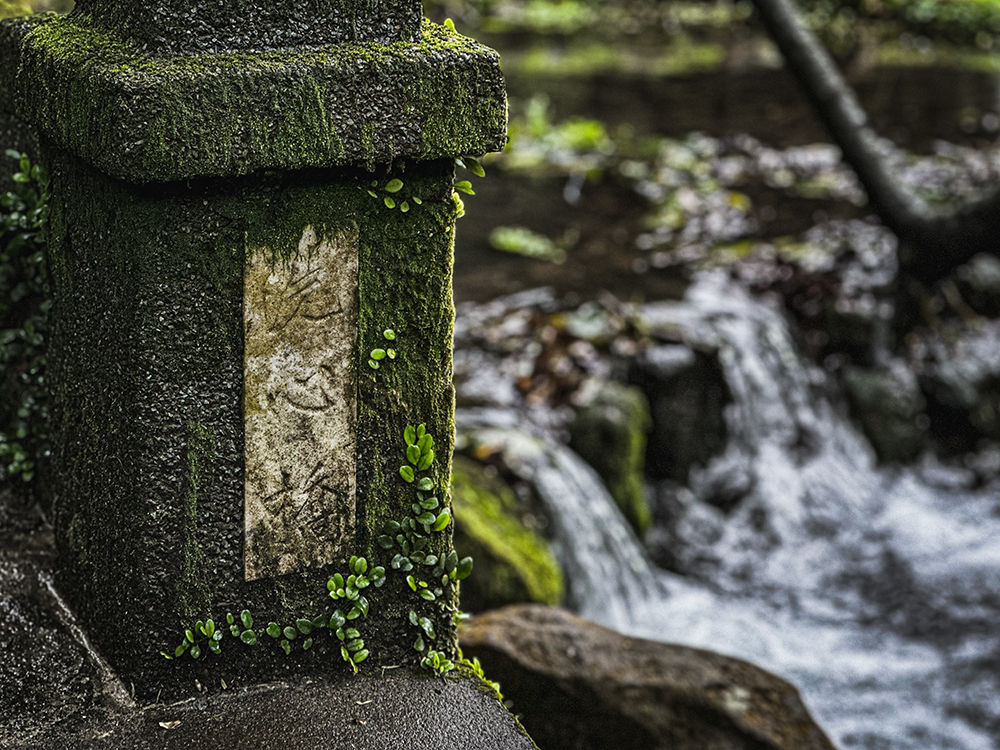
(205, 636)
(477, 669)
(378, 355)
(428, 574)
(437, 662)
(390, 193)
(472, 164)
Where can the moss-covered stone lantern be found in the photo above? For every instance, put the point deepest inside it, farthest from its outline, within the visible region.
(251, 240)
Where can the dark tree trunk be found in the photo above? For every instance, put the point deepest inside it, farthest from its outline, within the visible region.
(932, 241)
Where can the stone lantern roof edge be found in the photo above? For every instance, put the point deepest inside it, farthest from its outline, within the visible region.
(160, 118)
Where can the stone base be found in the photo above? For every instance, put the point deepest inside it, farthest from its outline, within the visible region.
(56, 691)
(400, 710)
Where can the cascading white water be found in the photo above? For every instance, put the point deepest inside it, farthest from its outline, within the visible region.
(876, 594)
(609, 575)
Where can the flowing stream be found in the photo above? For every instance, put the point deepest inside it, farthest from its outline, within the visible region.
(875, 591)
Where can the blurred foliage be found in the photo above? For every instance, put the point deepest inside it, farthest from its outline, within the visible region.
(842, 22)
(538, 145)
(25, 301)
(12, 8)
(522, 241)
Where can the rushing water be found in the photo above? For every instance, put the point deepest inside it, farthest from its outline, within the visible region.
(875, 591)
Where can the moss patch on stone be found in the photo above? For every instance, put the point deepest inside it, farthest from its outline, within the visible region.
(513, 562)
(609, 433)
(193, 597)
(147, 118)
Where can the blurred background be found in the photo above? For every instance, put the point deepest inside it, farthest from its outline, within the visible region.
(691, 404)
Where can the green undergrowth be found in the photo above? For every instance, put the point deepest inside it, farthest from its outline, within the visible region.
(24, 318)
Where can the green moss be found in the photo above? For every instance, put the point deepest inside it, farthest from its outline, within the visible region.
(513, 563)
(149, 118)
(609, 433)
(166, 26)
(193, 597)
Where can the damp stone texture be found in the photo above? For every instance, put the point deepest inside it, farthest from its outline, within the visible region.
(225, 258)
(301, 318)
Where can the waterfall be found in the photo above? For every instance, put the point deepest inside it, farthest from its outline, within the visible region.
(872, 590)
(608, 573)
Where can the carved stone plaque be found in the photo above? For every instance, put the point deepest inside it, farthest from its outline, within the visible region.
(300, 315)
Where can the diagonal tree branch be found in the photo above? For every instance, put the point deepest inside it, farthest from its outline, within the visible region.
(933, 241)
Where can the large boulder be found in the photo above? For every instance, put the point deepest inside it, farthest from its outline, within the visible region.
(513, 560)
(577, 685)
(609, 433)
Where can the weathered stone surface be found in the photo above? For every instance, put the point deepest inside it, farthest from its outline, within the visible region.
(609, 433)
(577, 685)
(300, 315)
(185, 26)
(513, 562)
(145, 118)
(147, 380)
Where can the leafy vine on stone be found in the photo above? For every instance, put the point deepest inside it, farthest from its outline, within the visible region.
(377, 355)
(428, 574)
(392, 195)
(205, 635)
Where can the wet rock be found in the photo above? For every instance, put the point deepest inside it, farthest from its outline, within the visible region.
(979, 283)
(684, 531)
(687, 393)
(578, 685)
(962, 380)
(609, 433)
(513, 560)
(889, 405)
(399, 709)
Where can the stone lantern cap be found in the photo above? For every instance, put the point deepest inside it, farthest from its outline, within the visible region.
(154, 117)
(189, 26)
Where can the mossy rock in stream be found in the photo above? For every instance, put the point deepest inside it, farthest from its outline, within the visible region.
(513, 562)
(609, 433)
